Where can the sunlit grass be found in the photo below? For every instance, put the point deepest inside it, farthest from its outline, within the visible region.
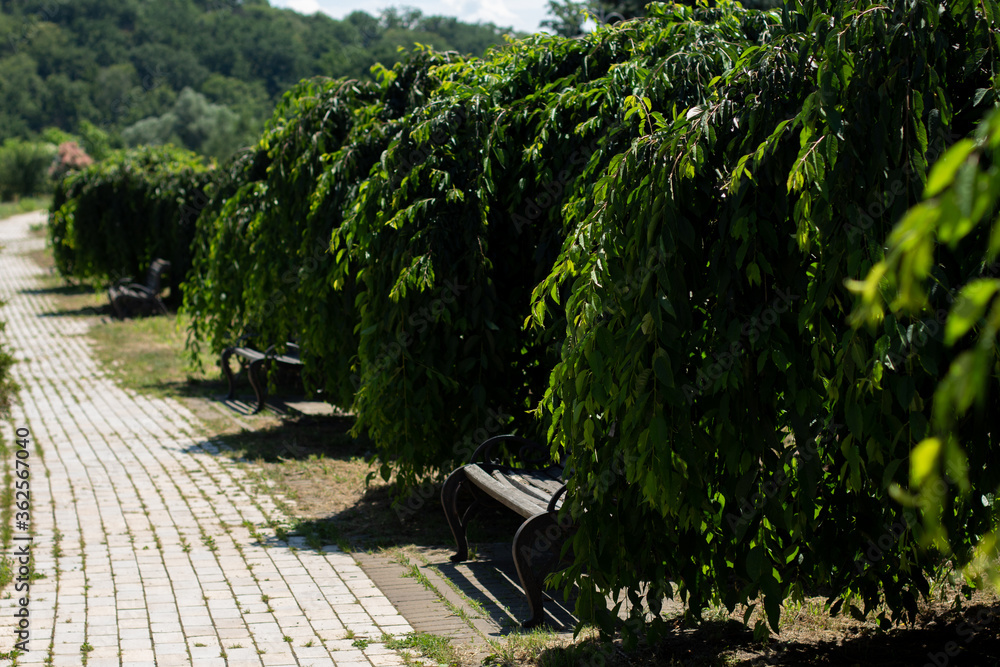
(25, 205)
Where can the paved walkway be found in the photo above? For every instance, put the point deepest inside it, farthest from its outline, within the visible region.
(142, 535)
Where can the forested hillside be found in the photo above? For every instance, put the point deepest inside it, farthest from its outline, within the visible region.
(201, 73)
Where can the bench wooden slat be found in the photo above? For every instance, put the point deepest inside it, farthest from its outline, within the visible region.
(285, 359)
(248, 353)
(542, 481)
(535, 484)
(505, 493)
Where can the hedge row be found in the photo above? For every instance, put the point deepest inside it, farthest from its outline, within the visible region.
(757, 435)
(114, 217)
(443, 186)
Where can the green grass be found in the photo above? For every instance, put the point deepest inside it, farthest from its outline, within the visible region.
(438, 649)
(148, 355)
(26, 205)
(6, 514)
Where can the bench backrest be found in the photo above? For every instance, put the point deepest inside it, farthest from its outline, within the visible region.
(154, 278)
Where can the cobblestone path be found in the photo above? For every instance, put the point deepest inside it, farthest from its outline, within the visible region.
(142, 534)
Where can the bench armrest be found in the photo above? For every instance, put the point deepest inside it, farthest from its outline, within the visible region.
(529, 453)
(555, 498)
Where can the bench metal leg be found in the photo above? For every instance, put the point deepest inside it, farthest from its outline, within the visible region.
(258, 382)
(458, 523)
(228, 372)
(536, 548)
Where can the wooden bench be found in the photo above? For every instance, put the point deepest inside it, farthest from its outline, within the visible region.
(131, 299)
(256, 361)
(528, 485)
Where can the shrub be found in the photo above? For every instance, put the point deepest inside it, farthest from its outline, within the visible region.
(70, 157)
(114, 217)
(729, 433)
(23, 166)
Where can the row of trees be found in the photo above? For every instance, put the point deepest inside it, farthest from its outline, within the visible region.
(111, 219)
(572, 18)
(122, 65)
(637, 245)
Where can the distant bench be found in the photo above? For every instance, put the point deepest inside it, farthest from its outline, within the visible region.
(530, 486)
(130, 299)
(255, 361)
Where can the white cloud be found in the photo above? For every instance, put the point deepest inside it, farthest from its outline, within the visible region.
(301, 6)
(523, 15)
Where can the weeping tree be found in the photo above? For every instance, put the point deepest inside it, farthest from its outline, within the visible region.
(261, 263)
(674, 205)
(939, 278)
(732, 438)
(114, 217)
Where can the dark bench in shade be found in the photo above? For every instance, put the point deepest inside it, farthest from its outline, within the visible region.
(131, 299)
(256, 360)
(525, 482)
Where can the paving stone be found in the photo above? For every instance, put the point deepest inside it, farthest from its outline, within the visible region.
(133, 485)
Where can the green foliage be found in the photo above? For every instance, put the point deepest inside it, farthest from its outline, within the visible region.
(194, 123)
(956, 219)
(728, 431)
(443, 187)
(115, 63)
(23, 166)
(113, 218)
(676, 203)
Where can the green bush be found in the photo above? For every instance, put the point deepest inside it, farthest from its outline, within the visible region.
(113, 218)
(755, 433)
(23, 167)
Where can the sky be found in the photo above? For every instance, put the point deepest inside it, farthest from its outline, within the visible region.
(521, 14)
